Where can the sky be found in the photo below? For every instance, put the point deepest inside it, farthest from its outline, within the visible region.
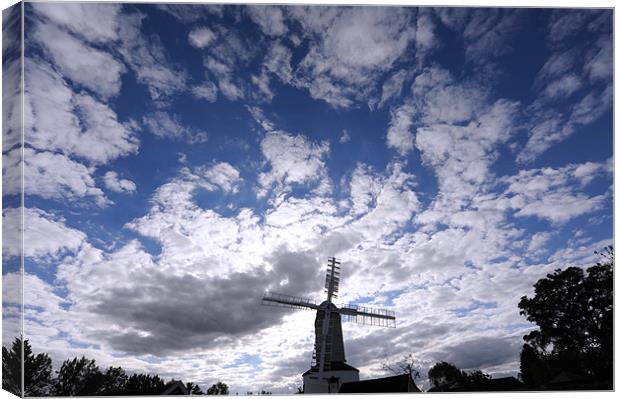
(180, 160)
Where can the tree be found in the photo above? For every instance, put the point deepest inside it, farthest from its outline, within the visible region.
(443, 374)
(407, 365)
(574, 313)
(12, 368)
(114, 382)
(218, 389)
(534, 370)
(193, 389)
(37, 370)
(476, 377)
(144, 384)
(78, 377)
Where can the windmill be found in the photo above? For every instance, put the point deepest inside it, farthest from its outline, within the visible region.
(328, 369)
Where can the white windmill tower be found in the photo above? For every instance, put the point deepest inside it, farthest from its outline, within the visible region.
(329, 369)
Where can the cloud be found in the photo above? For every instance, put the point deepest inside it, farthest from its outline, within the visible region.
(46, 237)
(278, 62)
(564, 24)
(399, 134)
(230, 87)
(269, 18)
(51, 176)
(393, 86)
(78, 61)
(113, 183)
(349, 49)
(201, 37)
(345, 137)
(206, 90)
(483, 352)
(146, 56)
(548, 130)
(580, 74)
(547, 193)
(462, 155)
(600, 66)
(164, 125)
(95, 22)
(486, 32)
(12, 107)
(563, 87)
(441, 99)
(80, 124)
(425, 37)
(537, 242)
(292, 159)
(223, 175)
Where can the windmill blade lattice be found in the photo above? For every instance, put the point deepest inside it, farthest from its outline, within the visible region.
(287, 301)
(368, 316)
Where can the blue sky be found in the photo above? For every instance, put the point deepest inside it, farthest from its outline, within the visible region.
(182, 159)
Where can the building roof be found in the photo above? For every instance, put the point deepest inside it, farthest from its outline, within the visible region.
(397, 383)
(503, 384)
(335, 366)
(176, 388)
(495, 384)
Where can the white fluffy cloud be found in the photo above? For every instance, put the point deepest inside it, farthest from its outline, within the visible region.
(52, 176)
(351, 47)
(551, 194)
(223, 175)
(81, 125)
(95, 22)
(112, 182)
(79, 62)
(45, 235)
(399, 135)
(201, 37)
(269, 18)
(292, 159)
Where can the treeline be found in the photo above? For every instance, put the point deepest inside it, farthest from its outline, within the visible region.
(81, 377)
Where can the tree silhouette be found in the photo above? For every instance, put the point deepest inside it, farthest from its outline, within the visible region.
(114, 382)
(574, 313)
(534, 370)
(144, 384)
(193, 389)
(218, 389)
(445, 376)
(407, 365)
(78, 377)
(12, 368)
(37, 370)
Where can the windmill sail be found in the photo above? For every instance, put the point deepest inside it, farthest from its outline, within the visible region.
(368, 316)
(288, 301)
(332, 278)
